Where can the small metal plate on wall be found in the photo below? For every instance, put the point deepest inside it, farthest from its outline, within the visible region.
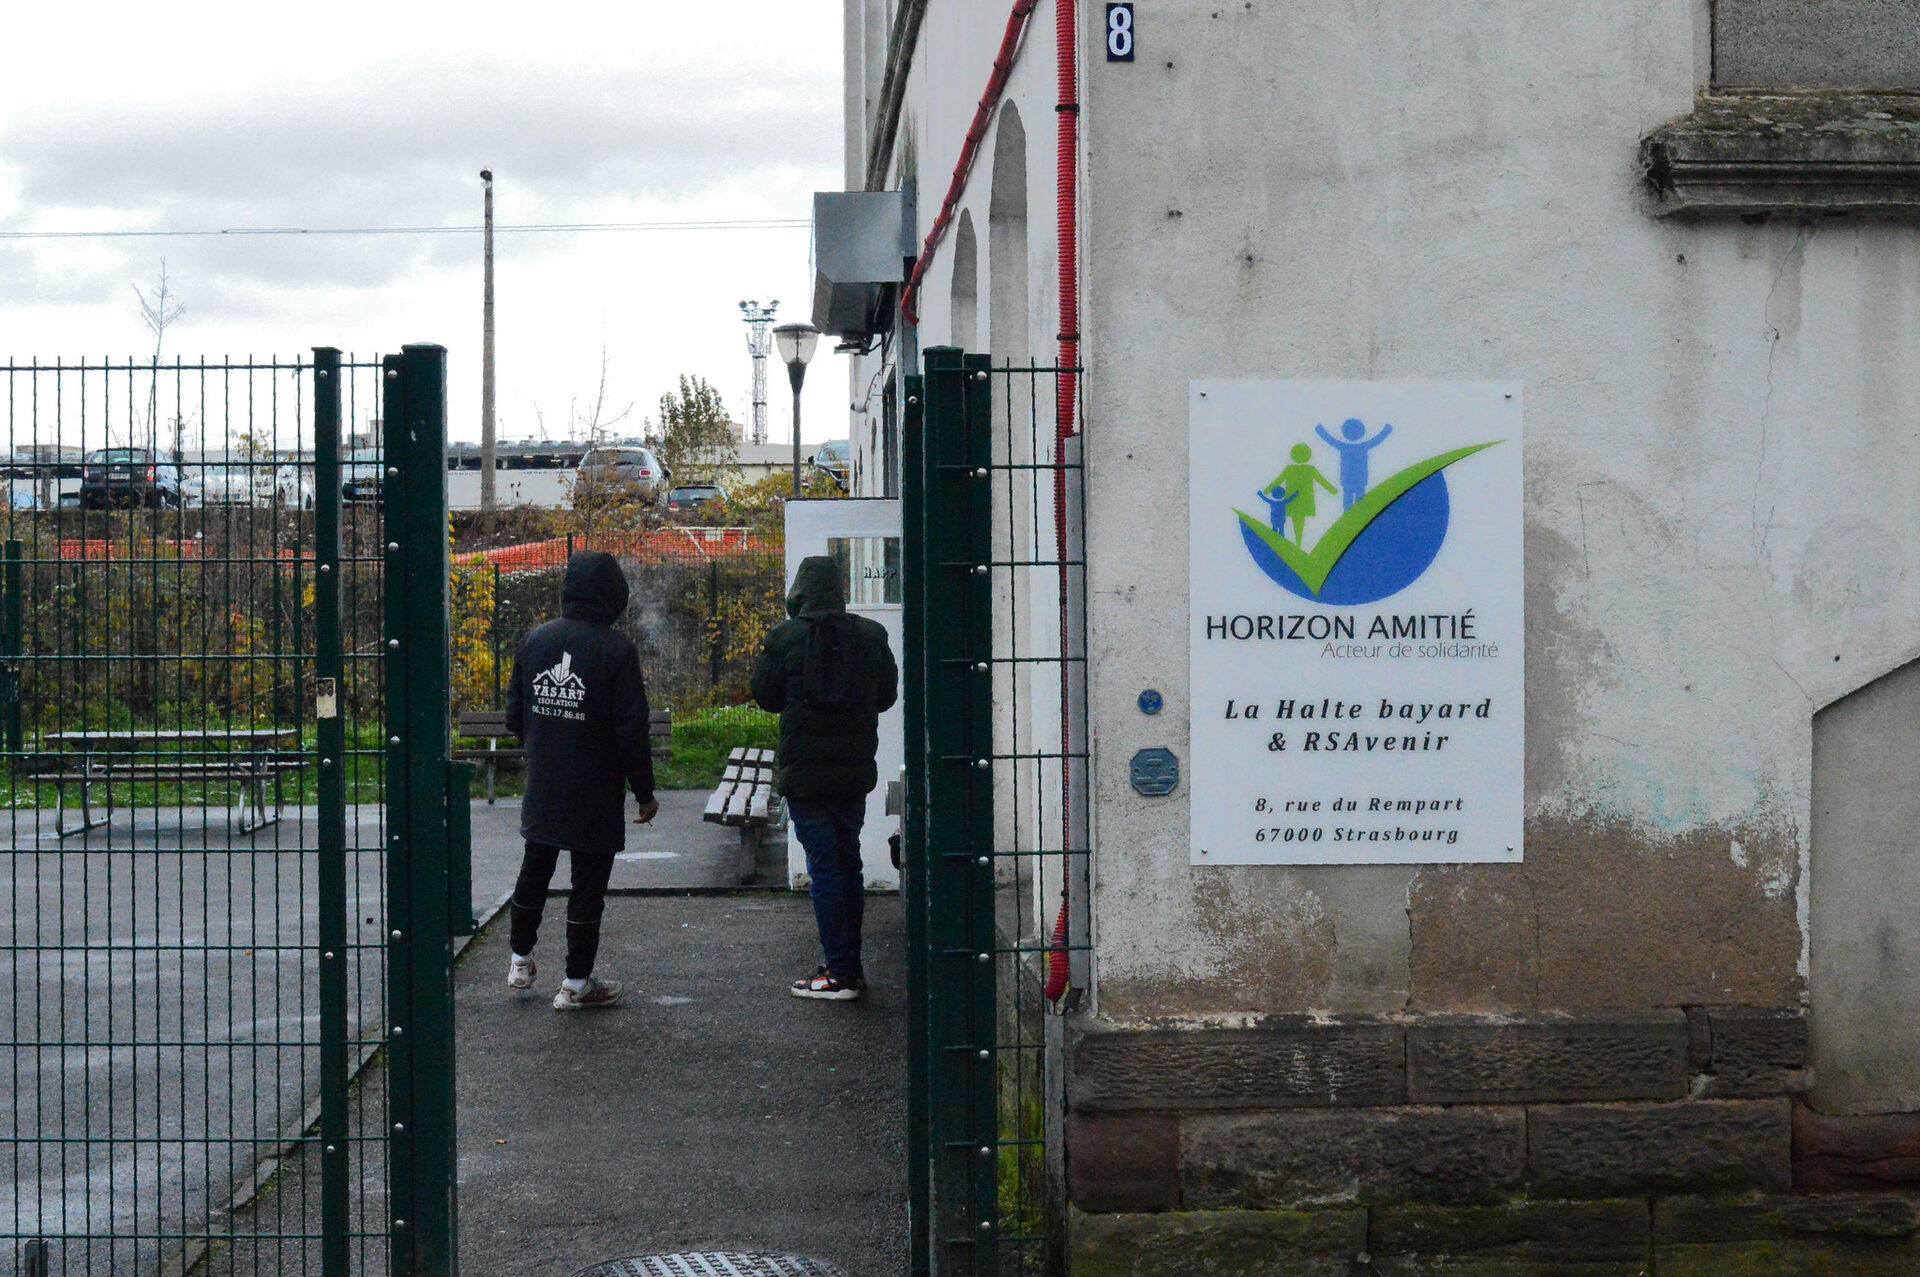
(713, 1263)
(1155, 772)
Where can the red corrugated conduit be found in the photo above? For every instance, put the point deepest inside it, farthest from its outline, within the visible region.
(1066, 224)
(969, 151)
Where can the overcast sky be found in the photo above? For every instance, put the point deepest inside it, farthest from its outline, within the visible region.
(201, 116)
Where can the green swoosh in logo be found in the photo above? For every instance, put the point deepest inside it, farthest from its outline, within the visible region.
(1316, 565)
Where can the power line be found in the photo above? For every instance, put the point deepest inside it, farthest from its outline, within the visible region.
(534, 228)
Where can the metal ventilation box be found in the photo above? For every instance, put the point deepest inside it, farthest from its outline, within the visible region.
(861, 243)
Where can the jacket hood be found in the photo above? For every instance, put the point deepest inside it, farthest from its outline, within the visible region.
(816, 588)
(595, 588)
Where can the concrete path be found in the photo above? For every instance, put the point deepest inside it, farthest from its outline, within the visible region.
(711, 1111)
(678, 849)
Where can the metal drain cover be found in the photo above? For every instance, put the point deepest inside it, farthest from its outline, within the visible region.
(713, 1263)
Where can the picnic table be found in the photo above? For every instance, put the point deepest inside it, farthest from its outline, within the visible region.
(249, 757)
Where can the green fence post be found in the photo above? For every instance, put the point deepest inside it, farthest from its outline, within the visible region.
(12, 647)
(913, 859)
(958, 724)
(330, 740)
(975, 664)
(419, 726)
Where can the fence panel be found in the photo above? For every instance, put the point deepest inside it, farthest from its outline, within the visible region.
(702, 600)
(194, 911)
(996, 844)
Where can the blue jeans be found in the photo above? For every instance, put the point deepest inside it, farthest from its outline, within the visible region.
(829, 831)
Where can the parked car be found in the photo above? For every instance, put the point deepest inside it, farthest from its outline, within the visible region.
(360, 478)
(834, 458)
(624, 467)
(230, 484)
(694, 495)
(127, 477)
(292, 488)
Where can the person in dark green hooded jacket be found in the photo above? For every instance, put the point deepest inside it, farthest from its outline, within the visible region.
(829, 676)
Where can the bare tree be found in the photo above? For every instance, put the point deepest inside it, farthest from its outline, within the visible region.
(158, 310)
(596, 502)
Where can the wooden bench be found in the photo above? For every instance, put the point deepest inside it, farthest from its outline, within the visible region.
(744, 797)
(251, 774)
(491, 726)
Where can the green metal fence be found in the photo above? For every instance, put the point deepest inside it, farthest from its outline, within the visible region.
(702, 600)
(995, 843)
(231, 853)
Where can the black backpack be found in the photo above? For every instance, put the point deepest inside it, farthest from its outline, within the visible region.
(833, 664)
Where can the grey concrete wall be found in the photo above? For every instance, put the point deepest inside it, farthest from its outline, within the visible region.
(1720, 456)
(1865, 885)
(1817, 44)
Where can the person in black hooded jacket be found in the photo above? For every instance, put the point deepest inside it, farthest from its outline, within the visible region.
(578, 703)
(829, 676)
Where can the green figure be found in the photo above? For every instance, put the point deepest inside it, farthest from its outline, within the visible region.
(1297, 481)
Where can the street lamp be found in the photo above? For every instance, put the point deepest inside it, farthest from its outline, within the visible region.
(795, 342)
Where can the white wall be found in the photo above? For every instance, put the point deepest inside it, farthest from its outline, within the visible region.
(1720, 474)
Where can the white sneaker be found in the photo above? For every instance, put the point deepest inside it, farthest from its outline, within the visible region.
(598, 993)
(520, 972)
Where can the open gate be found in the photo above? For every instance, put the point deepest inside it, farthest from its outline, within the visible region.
(235, 844)
(996, 819)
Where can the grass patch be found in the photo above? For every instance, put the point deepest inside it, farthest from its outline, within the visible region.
(363, 767)
(702, 739)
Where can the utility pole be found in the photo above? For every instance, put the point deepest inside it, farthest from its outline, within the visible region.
(486, 360)
(758, 318)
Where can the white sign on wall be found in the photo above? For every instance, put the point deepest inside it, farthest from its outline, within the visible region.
(1358, 678)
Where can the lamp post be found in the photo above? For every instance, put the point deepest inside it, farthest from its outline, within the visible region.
(795, 342)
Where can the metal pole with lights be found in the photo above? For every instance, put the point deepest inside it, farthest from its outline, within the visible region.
(795, 342)
(758, 318)
(487, 441)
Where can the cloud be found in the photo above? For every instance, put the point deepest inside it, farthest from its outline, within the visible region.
(401, 143)
(398, 143)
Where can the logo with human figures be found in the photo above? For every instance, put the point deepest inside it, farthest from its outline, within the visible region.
(1384, 536)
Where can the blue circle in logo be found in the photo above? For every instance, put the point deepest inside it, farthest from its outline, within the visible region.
(1389, 554)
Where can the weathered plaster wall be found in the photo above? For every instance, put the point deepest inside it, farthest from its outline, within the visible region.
(953, 59)
(1721, 454)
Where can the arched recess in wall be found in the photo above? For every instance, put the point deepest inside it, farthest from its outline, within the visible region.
(964, 329)
(1007, 320)
(1017, 496)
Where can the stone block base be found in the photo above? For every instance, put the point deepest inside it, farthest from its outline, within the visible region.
(1753, 1235)
(1228, 1243)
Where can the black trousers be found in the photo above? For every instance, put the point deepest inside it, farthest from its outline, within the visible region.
(591, 869)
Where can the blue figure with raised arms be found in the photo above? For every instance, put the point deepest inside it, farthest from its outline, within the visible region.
(1353, 451)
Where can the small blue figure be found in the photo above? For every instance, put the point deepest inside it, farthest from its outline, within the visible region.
(1353, 457)
(1277, 499)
